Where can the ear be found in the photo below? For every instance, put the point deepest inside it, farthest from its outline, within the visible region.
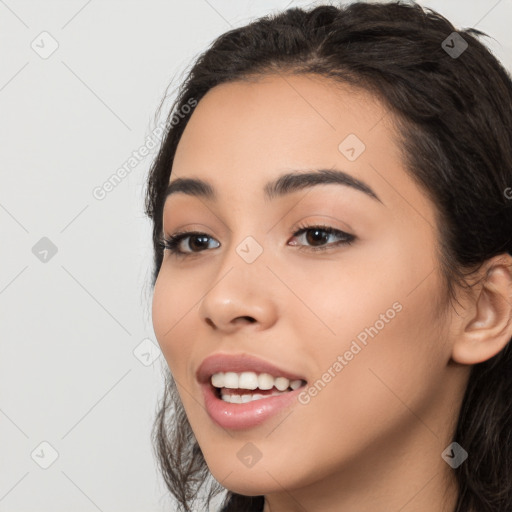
(485, 326)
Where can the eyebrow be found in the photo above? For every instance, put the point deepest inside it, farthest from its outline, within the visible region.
(283, 185)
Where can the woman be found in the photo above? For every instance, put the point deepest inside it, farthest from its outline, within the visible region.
(332, 286)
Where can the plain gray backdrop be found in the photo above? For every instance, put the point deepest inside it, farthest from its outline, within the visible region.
(80, 371)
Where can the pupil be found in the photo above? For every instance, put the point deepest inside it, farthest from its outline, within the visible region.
(200, 245)
(316, 238)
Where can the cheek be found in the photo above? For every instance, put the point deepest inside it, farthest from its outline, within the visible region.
(361, 296)
(375, 346)
(172, 304)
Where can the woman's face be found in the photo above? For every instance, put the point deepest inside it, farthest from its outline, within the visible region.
(358, 324)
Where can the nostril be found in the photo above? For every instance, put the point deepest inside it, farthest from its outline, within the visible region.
(250, 319)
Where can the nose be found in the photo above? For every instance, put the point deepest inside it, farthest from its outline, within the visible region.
(240, 296)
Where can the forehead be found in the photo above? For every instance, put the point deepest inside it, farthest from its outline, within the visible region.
(280, 121)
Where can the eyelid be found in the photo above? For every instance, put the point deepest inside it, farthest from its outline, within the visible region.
(323, 220)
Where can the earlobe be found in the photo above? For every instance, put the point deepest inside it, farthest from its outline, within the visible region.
(488, 327)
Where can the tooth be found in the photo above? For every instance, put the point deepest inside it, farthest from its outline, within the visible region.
(246, 398)
(295, 384)
(231, 380)
(218, 380)
(248, 380)
(265, 381)
(252, 381)
(281, 383)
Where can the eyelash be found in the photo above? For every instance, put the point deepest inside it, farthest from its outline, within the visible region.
(171, 242)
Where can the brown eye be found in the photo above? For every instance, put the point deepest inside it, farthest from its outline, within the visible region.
(182, 244)
(198, 242)
(317, 236)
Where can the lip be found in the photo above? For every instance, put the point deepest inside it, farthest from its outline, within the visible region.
(247, 415)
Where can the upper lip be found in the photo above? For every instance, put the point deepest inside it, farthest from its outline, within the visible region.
(239, 363)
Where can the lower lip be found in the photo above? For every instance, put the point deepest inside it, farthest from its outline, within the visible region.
(242, 416)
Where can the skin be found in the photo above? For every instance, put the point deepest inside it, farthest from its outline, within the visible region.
(372, 438)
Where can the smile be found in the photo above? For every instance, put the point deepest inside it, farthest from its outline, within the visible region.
(248, 395)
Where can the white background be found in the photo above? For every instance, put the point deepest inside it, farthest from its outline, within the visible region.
(69, 326)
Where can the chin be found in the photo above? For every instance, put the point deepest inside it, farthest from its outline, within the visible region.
(247, 481)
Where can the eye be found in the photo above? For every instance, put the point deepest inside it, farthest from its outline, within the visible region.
(196, 242)
(317, 236)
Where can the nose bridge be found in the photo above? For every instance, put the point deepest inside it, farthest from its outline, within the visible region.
(243, 266)
(245, 249)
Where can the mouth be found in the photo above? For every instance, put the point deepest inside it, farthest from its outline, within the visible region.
(241, 391)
